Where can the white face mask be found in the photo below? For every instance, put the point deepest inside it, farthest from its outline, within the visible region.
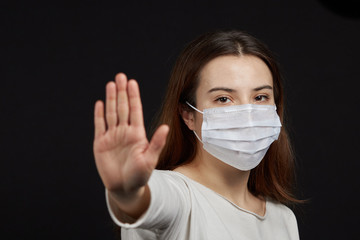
(239, 135)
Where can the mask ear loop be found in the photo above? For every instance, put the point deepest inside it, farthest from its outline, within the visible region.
(199, 112)
(194, 107)
(197, 137)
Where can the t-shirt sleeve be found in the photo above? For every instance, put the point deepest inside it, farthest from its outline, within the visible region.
(169, 203)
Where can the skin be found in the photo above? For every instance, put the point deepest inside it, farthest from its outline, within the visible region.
(125, 158)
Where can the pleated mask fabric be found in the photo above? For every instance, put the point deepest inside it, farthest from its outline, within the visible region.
(239, 135)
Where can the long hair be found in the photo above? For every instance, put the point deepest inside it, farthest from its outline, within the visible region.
(274, 176)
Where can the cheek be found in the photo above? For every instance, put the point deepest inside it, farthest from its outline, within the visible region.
(198, 122)
(272, 101)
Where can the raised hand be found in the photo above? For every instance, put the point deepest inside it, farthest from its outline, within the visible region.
(124, 157)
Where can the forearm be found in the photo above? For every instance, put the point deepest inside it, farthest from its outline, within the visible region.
(130, 205)
(167, 199)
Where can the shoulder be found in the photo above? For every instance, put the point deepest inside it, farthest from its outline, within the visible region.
(168, 175)
(280, 210)
(284, 218)
(169, 181)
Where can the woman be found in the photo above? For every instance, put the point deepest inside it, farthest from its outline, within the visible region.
(222, 135)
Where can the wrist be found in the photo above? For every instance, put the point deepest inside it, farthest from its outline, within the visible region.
(133, 203)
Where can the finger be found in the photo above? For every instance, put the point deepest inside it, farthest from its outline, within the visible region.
(157, 142)
(111, 115)
(122, 99)
(99, 120)
(136, 114)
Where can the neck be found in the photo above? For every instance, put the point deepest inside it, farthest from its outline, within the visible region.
(222, 178)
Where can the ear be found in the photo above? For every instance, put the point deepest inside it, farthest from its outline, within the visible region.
(188, 117)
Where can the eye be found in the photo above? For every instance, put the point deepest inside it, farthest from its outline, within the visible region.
(261, 98)
(222, 99)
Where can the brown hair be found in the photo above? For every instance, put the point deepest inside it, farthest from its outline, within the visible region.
(274, 176)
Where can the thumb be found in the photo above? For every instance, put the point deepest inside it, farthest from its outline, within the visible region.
(157, 142)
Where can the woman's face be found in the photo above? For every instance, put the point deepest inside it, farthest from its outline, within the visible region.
(233, 80)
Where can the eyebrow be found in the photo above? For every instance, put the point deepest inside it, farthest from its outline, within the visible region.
(221, 89)
(263, 87)
(233, 90)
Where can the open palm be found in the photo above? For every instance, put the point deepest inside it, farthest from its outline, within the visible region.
(123, 155)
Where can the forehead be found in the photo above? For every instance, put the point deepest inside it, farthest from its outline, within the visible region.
(237, 72)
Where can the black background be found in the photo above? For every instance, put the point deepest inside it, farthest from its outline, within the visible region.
(57, 58)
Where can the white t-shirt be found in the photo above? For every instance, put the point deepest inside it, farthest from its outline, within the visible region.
(183, 209)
